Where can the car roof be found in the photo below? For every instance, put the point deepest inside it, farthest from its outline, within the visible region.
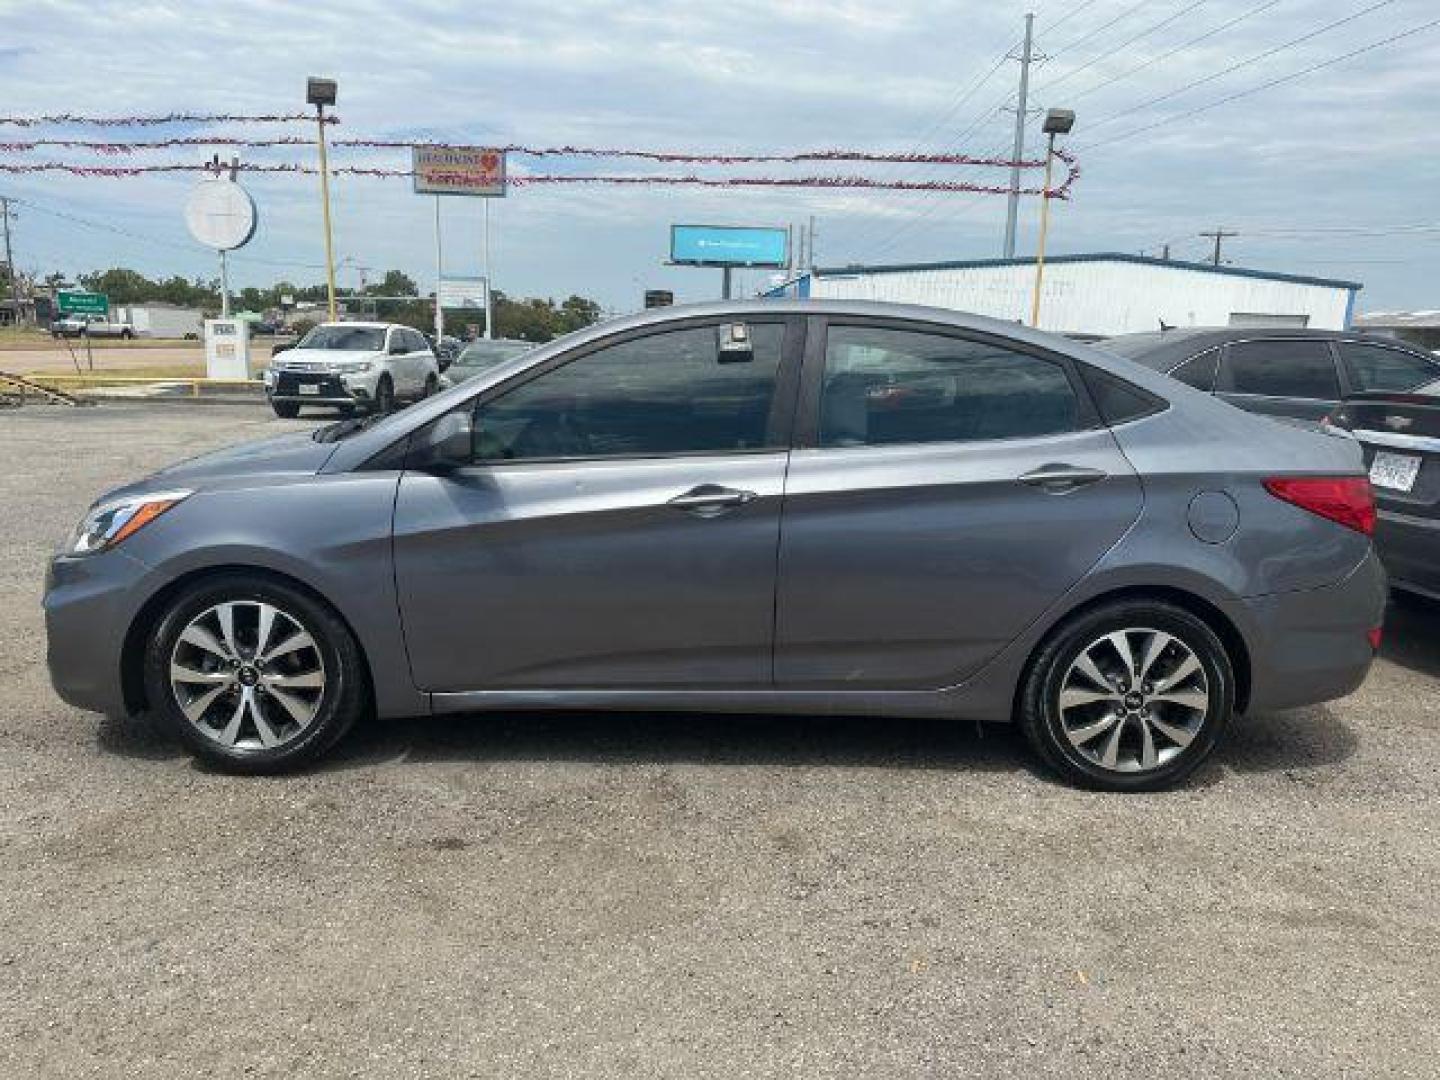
(1162, 350)
(356, 323)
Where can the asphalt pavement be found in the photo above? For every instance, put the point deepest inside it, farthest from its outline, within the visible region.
(682, 896)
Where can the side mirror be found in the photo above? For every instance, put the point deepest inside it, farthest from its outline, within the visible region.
(449, 443)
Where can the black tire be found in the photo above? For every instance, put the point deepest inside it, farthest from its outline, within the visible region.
(384, 396)
(432, 387)
(1045, 729)
(345, 695)
(286, 410)
(126, 335)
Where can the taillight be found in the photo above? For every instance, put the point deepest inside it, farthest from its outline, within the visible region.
(1346, 500)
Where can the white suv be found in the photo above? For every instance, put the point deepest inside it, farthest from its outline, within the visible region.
(352, 365)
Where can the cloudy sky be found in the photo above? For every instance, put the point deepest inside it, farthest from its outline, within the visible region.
(1330, 173)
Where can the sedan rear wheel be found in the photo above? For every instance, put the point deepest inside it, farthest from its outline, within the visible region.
(1129, 697)
(254, 675)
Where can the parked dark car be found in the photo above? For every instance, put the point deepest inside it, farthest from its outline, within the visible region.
(481, 356)
(1400, 434)
(1300, 375)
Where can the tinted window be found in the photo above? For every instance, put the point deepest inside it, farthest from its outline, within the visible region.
(902, 386)
(1118, 400)
(665, 393)
(1295, 369)
(486, 354)
(358, 338)
(1374, 367)
(1199, 371)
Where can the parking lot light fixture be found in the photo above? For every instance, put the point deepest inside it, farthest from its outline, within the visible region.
(322, 92)
(1057, 122)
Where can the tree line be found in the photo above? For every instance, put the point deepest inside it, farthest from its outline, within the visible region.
(526, 318)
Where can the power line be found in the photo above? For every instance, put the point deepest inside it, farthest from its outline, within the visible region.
(1126, 44)
(1270, 83)
(1073, 12)
(1102, 28)
(1182, 47)
(1266, 54)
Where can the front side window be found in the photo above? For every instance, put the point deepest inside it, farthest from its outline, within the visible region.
(1374, 367)
(885, 386)
(1293, 369)
(672, 392)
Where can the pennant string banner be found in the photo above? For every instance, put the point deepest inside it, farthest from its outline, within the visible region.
(854, 182)
(159, 121)
(695, 158)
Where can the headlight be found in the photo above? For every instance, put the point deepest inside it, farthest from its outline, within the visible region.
(111, 522)
(352, 367)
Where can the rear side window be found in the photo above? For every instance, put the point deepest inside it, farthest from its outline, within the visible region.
(1118, 400)
(1375, 367)
(885, 387)
(1293, 369)
(1199, 371)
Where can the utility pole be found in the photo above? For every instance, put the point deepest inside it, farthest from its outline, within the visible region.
(1012, 209)
(810, 247)
(1219, 236)
(11, 277)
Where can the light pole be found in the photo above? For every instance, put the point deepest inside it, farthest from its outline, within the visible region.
(1057, 122)
(321, 92)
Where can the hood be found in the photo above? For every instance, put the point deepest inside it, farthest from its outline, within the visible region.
(293, 454)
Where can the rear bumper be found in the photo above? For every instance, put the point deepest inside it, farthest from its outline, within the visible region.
(1312, 646)
(1410, 549)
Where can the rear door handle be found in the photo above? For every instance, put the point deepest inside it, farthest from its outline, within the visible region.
(1058, 479)
(710, 500)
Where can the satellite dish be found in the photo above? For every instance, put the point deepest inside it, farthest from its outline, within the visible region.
(220, 214)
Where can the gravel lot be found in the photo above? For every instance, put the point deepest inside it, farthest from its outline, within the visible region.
(638, 896)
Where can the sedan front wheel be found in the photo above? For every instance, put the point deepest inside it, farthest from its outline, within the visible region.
(253, 675)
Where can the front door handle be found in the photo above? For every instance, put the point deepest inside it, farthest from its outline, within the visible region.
(1058, 479)
(710, 500)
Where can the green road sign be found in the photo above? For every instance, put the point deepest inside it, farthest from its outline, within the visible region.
(74, 302)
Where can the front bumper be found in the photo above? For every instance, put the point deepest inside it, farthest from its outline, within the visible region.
(320, 388)
(89, 606)
(1313, 645)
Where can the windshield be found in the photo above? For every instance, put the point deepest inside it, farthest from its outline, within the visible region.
(486, 354)
(350, 338)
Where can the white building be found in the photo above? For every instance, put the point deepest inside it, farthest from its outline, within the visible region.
(1099, 295)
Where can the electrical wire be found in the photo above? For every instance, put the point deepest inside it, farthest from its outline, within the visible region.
(1269, 84)
(1173, 17)
(1274, 50)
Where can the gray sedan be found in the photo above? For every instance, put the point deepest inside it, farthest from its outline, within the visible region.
(767, 506)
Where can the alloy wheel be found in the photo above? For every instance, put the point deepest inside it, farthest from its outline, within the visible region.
(1134, 700)
(247, 675)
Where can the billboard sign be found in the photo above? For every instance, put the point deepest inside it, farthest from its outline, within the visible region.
(78, 302)
(726, 245)
(462, 293)
(458, 170)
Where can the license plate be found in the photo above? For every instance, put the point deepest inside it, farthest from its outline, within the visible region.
(315, 389)
(1394, 471)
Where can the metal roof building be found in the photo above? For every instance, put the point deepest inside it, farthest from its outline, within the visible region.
(1099, 295)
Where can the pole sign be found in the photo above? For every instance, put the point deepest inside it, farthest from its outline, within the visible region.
(726, 245)
(77, 302)
(462, 293)
(451, 170)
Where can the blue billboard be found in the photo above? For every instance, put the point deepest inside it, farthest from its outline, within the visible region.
(726, 245)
